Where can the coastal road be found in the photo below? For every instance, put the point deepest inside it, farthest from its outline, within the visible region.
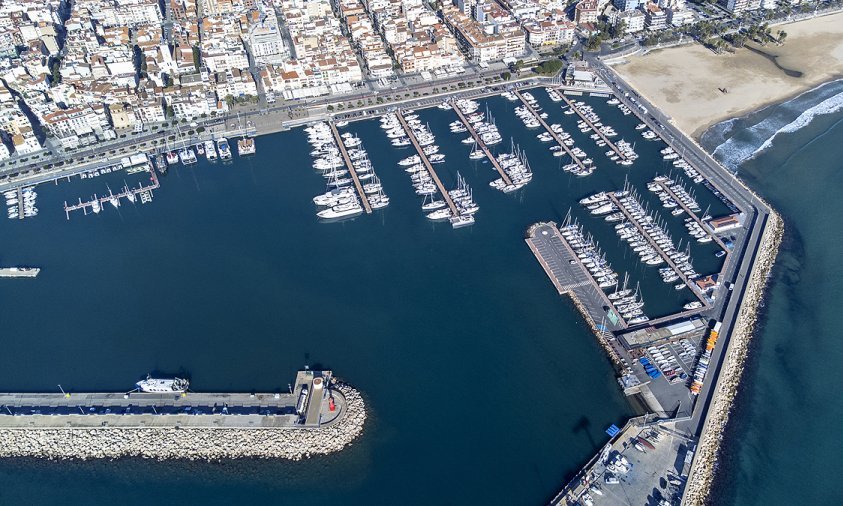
(746, 250)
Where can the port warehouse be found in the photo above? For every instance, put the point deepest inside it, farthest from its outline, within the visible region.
(311, 402)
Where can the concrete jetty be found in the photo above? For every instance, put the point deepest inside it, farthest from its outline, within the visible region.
(693, 287)
(570, 277)
(481, 144)
(244, 425)
(310, 403)
(442, 190)
(553, 134)
(603, 136)
(696, 218)
(351, 171)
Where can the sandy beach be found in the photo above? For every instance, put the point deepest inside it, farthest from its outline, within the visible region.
(685, 81)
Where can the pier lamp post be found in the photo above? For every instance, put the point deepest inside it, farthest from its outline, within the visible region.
(66, 395)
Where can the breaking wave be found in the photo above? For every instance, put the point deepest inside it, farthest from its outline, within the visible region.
(741, 139)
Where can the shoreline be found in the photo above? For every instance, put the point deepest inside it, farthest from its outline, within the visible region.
(187, 443)
(698, 134)
(698, 89)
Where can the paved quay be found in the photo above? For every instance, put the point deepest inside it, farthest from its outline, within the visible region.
(570, 277)
(312, 402)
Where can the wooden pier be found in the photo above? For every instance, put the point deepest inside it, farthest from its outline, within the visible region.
(696, 218)
(551, 132)
(353, 173)
(659, 250)
(596, 129)
(409, 131)
(479, 141)
(144, 192)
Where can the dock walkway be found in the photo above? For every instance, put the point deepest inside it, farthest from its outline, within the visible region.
(353, 173)
(140, 190)
(570, 277)
(551, 132)
(189, 409)
(20, 204)
(659, 250)
(596, 129)
(479, 141)
(427, 164)
(696, 218)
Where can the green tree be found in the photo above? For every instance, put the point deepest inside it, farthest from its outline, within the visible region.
(550, 67)
(506, 76)
(197, 57)
(55, 72)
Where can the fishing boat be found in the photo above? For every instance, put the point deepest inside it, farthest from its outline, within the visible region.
(161, 163)
(162, 386)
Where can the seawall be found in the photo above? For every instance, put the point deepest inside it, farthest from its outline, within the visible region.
(701, 476)
(190, 443)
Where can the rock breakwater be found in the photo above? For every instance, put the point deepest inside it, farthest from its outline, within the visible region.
(193, 443)
(708, 449)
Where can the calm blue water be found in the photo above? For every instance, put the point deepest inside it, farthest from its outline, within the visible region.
(783, 444)
(483, 385)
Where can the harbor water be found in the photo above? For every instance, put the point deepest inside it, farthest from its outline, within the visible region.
(781, 442)
(482, 384)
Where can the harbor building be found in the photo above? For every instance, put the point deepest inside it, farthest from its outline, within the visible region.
(693, 328)
(724, 223)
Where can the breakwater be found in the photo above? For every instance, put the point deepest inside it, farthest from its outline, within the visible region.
(189, 443)
(702, 473)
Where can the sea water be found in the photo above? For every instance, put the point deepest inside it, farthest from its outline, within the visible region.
(482, 383)
(783, 444)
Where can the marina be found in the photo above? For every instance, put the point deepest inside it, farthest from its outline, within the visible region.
(658, 240)
(623, 155)
(577, 166)
(482, 145)
(454, 211)
(142, 193)
(351, 169)
(591, 263)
